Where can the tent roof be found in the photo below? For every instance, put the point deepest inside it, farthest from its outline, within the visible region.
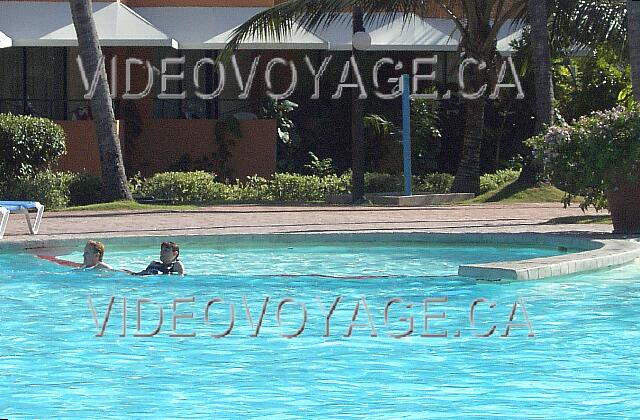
(35, 24)
(211, 27)
(411, 34)
(5, 41)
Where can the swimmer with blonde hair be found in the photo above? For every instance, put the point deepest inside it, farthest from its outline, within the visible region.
(93, 255)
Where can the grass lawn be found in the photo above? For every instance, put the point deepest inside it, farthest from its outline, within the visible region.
(127, 205)
(600, 219)
(516, 193)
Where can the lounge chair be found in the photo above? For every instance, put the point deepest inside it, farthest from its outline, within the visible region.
(21, 207)
(4, 218)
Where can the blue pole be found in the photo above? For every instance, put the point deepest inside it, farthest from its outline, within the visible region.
(406, 133)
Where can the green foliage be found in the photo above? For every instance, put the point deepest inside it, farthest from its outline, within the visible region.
(279, 111)
(595, 83)
(435, 183)
(55, 189)
(254, 189)
(28, 144)
(520, 193)
(49, 188)
(201, 188)
(297, 188)
(183, 187)
(592, 156)
(288, 139)
(492, 182)
(63, 189)
(136, 183)
(379, 125)
(222, 156)
(425, 135)
(380, 183)
(320, 167)
(85, 189)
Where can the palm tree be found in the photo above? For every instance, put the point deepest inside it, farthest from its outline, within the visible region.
(114, 179)
(358, 152)
(543, 77)
(479, 26)
(541, 62)
(566, 24)
(634, 45)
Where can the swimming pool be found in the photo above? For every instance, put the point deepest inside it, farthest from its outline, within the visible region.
(582, 360)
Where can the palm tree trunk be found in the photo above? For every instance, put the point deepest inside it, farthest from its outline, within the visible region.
(114, 179)
(467, 178)
(468, 174)
(541, 62)
(358, 152)
(633, 15)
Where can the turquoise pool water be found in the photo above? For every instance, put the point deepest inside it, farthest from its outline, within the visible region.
(583, 359)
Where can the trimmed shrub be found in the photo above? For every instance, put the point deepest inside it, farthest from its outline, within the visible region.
(85, 189)
(380, 183)
(28, 144)
(254, 189)
(184, 187)
(491, 182)
(435, 183)
(49, 188)
(300, 188)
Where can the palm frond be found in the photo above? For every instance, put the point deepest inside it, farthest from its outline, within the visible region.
(589, 22)
(279, 21)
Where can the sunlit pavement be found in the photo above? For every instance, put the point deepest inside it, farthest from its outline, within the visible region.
(234, 219)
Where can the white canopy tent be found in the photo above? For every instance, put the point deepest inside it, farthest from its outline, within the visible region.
(49, 24)
(411, 34)
(5, 41)
(414, 34)
(210, 28)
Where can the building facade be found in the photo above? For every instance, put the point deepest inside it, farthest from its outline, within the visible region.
(39, 75)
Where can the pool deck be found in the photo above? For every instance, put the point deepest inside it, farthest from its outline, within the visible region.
(530, 223)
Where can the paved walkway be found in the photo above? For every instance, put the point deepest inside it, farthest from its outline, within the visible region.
(516, 218)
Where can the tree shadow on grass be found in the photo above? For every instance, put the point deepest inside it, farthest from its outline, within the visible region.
(602, 219)
(508, 191)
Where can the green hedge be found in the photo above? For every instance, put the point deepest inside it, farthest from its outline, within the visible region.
(491, 182)
(183, 187)
(62, 189)
(435, 183)
(201, 187)
(54, 189)
(28, 144)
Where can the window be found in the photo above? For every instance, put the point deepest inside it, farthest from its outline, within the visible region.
(32, 81)
(11, 80)
(191, 107)
(46, 80)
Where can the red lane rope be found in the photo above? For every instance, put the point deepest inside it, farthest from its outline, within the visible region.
(58, 261)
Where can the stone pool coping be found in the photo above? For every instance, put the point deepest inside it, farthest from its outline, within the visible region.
(592, 254)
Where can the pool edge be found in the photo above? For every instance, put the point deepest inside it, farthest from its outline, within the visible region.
(596, 254)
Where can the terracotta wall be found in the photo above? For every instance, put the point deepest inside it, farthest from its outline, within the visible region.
(82, 147)
(163, 142)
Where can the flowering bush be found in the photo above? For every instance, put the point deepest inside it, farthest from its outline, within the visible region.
(597, 154)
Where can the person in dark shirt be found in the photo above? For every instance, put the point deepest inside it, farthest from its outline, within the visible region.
(169, 262)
